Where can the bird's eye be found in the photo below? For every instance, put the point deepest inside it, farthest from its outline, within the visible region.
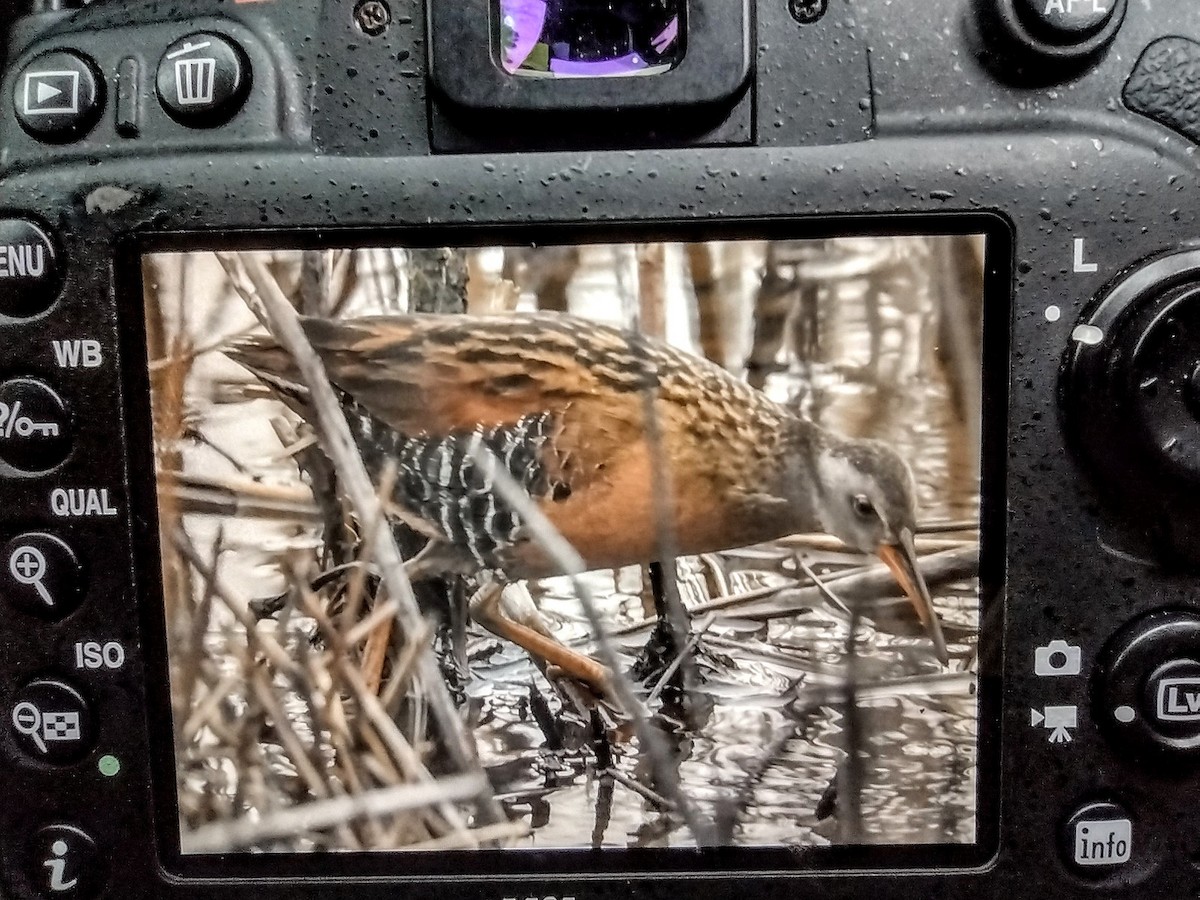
(863, 507)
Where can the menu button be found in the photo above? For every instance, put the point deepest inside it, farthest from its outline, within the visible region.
(29, 271)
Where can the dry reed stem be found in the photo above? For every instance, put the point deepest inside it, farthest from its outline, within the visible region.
(284, 324)
(397, 745)
(224, 837)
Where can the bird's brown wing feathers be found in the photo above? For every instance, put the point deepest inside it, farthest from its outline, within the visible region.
(443, 376)
(446, 374)
(439, 373)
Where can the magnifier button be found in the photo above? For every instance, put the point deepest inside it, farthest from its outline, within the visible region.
(40, 575)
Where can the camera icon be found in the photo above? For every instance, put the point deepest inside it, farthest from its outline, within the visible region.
(1057, 658)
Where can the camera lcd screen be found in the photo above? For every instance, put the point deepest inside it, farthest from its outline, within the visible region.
(588, 38)
(792, 428)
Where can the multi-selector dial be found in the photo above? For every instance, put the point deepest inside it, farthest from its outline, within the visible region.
(1132, 398)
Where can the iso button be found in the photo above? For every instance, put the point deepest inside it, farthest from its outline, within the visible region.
(57, 96)
(203, 79)
(30, 277)
(35, 431)
(51, 721)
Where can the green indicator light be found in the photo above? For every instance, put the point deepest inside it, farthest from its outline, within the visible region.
(109, 765)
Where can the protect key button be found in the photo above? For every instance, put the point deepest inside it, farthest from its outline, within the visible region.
(35, 431)
(30, 278)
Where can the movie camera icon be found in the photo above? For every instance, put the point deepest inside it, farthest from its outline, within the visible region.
(1058, 720)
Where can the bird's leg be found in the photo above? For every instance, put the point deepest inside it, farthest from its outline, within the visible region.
(375, 650)
(485, 609)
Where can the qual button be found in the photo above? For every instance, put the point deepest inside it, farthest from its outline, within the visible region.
(29, 273)
(35, 432)
(58, 96)
(40, 575)
(202, 79)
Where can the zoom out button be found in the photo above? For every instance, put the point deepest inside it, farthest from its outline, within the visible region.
(51, 721)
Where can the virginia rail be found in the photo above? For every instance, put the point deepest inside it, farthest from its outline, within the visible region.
(561, 403)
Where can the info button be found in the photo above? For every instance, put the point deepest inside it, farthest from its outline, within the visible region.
(1097, 839)
(29, 273)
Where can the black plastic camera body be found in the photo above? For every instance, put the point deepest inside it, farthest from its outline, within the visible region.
(1063, 132)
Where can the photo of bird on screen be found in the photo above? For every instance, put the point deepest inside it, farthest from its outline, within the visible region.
(608, 545)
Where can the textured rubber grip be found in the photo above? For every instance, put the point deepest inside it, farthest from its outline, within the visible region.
(1165, 85)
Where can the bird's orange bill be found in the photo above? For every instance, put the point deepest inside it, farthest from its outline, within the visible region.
(901, 558)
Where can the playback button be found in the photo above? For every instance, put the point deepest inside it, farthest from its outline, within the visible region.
(57, 96)
(35, 430)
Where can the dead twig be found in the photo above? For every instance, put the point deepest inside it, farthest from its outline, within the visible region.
(263, 295)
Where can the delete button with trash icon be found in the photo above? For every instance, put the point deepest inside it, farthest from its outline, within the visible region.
(202, 79)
